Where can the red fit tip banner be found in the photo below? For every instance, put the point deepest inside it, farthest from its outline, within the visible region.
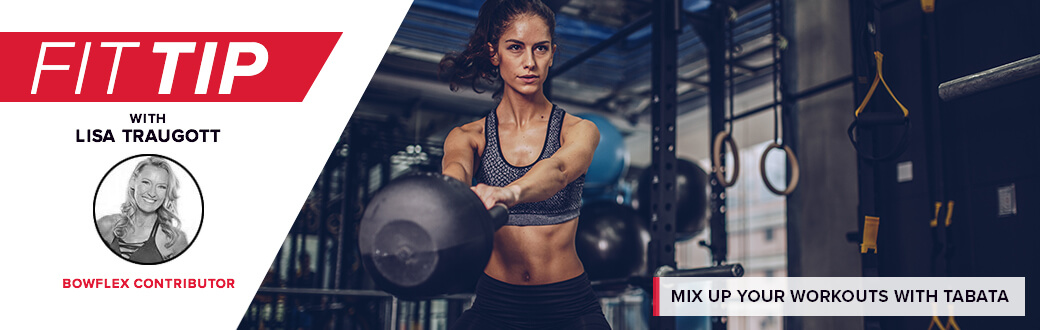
(161, 66)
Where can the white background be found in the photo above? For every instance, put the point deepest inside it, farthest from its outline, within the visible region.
(254, 179)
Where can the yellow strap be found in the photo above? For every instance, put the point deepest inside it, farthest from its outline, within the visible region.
(937, 323)
(949, 214)
(951, 324)
(928, 6)
(870, 230)
(879, 77)
(870, 92)
(934, 223)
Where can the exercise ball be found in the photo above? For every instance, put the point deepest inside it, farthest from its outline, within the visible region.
(692, 198)
(610, 240)
(608, 163)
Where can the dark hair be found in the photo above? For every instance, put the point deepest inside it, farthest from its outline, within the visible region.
(473, 64)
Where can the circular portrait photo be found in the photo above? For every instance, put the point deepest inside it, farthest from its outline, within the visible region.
(148, 209)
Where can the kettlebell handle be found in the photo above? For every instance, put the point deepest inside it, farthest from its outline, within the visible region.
(499, 215)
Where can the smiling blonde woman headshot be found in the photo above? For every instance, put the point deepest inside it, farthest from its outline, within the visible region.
(147, 228)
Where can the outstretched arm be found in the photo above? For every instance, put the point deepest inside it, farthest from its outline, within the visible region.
(578, 143)
(459, 153)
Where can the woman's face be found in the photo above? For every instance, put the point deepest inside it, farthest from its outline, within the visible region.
(150, 188)
(524, 54)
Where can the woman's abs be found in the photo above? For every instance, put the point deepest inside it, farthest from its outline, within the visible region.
(534, 255)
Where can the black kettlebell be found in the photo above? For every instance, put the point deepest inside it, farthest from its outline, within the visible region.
(427, 234)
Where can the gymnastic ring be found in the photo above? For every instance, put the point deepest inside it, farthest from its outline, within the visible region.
(794, 169)
(720, 171)
(334, 223)
(311, 221)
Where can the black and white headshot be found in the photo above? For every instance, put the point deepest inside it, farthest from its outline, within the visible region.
(152, 216)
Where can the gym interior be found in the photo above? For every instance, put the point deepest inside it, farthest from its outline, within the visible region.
(790, 158)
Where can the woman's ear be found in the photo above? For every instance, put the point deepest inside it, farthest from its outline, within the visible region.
(493, 53)
(552, 55)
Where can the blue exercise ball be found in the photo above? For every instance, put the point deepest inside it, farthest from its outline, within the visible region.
(608, 163)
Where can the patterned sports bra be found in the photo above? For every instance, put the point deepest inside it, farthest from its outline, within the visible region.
(494, 170)
(143, 252)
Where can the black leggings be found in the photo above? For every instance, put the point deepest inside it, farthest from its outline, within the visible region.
(570, 304)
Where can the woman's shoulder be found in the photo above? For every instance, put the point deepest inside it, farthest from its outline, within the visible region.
(180, 243)
(106, 223)
(574, 122)
(579, 130)
(109, 221)
(473, 127)
(182, 240)
(468, 131)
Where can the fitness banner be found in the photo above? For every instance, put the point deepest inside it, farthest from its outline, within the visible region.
(840, 296)
(155, 154)
(162, 67)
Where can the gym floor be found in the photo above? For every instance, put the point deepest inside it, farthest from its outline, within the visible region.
(973, 154)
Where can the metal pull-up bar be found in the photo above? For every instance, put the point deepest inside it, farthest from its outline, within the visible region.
(989, 79)
(623, 33)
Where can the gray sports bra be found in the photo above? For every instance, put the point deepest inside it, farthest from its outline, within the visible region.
(494, 170)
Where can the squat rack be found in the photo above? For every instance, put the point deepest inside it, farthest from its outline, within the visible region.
(666, 19)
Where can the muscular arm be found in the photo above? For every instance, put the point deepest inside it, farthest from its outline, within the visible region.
(459, 151)
(105, 225)
(548, 176)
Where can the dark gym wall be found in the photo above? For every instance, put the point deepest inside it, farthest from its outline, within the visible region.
(823, 208)
(962, 150)
(990, 141)
(991, 137)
